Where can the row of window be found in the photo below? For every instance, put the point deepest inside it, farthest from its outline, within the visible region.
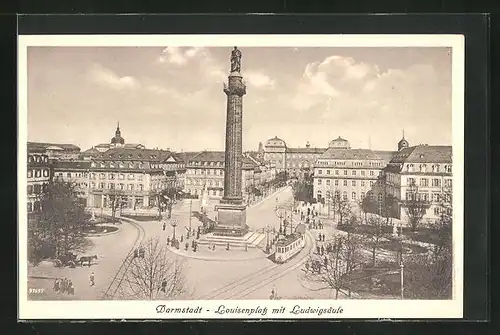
(353, 172)
(120, 176)
(36, 189)
(210, 182)
(38, 159)
(354, 196)
(435, 168)
(346, 182)
(436, 197)
(121, 186)
(214, 172)
(215, 193)
(435, 182)
(72, 174)
(352, 163)
(120, 165)
(290, 247)
(195, 163)
(37, 173)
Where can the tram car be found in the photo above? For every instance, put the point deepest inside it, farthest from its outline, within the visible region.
(288, 247)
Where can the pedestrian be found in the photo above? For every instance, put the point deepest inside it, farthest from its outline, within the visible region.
(168, 240)
(64, 285)
(56, 285)
(164, 226)
(92, 279)
(322, 250)
(318, 249)
(186, 246)
(71, 289)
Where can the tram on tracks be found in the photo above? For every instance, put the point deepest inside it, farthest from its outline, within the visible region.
(289, 246)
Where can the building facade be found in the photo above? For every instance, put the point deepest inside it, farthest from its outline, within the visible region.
(424, 171)
(205, 172)
(39, 174)
(349, 174)
(294, 161)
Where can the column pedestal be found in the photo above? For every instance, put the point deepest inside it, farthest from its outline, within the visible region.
(231, 220)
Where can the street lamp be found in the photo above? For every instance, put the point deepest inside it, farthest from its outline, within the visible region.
(402, 276)
(174, 224)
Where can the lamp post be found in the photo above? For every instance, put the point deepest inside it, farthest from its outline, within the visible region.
(174, 224)
(401, 265)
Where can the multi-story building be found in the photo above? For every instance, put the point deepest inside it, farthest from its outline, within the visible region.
(206, 171)
(349, 174)
(425, 170)
(39, 175)
(76, 173)
(292, 160)
(55, 151)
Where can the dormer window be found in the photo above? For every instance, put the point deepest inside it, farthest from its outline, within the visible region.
(447, 168)
(120, 155)
(92, 164)
(121, 165)
(102, 164)
(30, 159)
(131, 165)
(129, 155)
(111, 164)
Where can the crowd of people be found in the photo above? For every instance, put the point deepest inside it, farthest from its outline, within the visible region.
(64, 285)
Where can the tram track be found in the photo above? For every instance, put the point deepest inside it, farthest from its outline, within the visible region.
(246, 285)
(122, 270)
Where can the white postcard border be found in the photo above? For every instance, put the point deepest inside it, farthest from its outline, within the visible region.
(357, 309)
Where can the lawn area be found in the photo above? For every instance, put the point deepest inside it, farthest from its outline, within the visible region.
(142, 217)
(101, 229)
(394, 245)
(425, 235)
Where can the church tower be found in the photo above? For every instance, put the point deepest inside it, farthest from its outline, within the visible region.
(402, 144)
(118, 140)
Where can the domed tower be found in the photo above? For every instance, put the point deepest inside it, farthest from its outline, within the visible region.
(118, 140)
(308, 145)
(339, 143)
(403, 143)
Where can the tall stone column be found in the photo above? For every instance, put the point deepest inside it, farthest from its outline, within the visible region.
(231, 210)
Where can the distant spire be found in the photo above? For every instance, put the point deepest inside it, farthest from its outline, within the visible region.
(403, 133)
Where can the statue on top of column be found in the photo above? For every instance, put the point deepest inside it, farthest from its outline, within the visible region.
(235, 60)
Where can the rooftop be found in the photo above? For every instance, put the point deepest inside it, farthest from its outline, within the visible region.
(70, 165)
(352, 154)
(424, 154)
(43, 145)
(306, 150)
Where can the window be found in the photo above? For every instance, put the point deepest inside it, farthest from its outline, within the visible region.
(122, 186)
(353, 172)
(102, 176)
(30, 189)
(436, 211)
(111, 186)
(320, 171)
(424, 196)
(327, 171)
(423, 168)
(319, 181)
(379, 197)
(411, 181)
(337, 172)
(371, 183)
(30, 206)
(101, 185)
(121, 165)
(102, 165)
(409, 167)
(353, 196)
(353, 183)
(121, 176)
(30, 173)
(131, 176)
(111, 176)
(362, 183)
(217, 183)
(92, 185)
(336, 182)
(92, 175)
(30, 159)
(344, 195)
(337, 194)
(448, 183)
(371, 173)
(140, 177)
(447, 168)
(141, 187)
(328, 182)
(436, 182)
(345, 172)
(111, 164)
(363, 173)
(424, 182)
(68, 174)
(214, 193)
(345, 182)
(435, 197)
(37, 189)
(362, 195)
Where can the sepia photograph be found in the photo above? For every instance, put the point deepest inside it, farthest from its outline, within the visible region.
(231, 176)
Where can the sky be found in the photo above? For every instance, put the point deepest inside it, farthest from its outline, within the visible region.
(172, 97)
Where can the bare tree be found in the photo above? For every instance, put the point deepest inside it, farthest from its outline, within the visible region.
(375, 235)
(415, 206)
(343, 209)
(154, 276)
(115, 201)
(334, 270)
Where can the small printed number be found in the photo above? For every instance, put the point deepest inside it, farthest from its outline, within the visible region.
(36, 290)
